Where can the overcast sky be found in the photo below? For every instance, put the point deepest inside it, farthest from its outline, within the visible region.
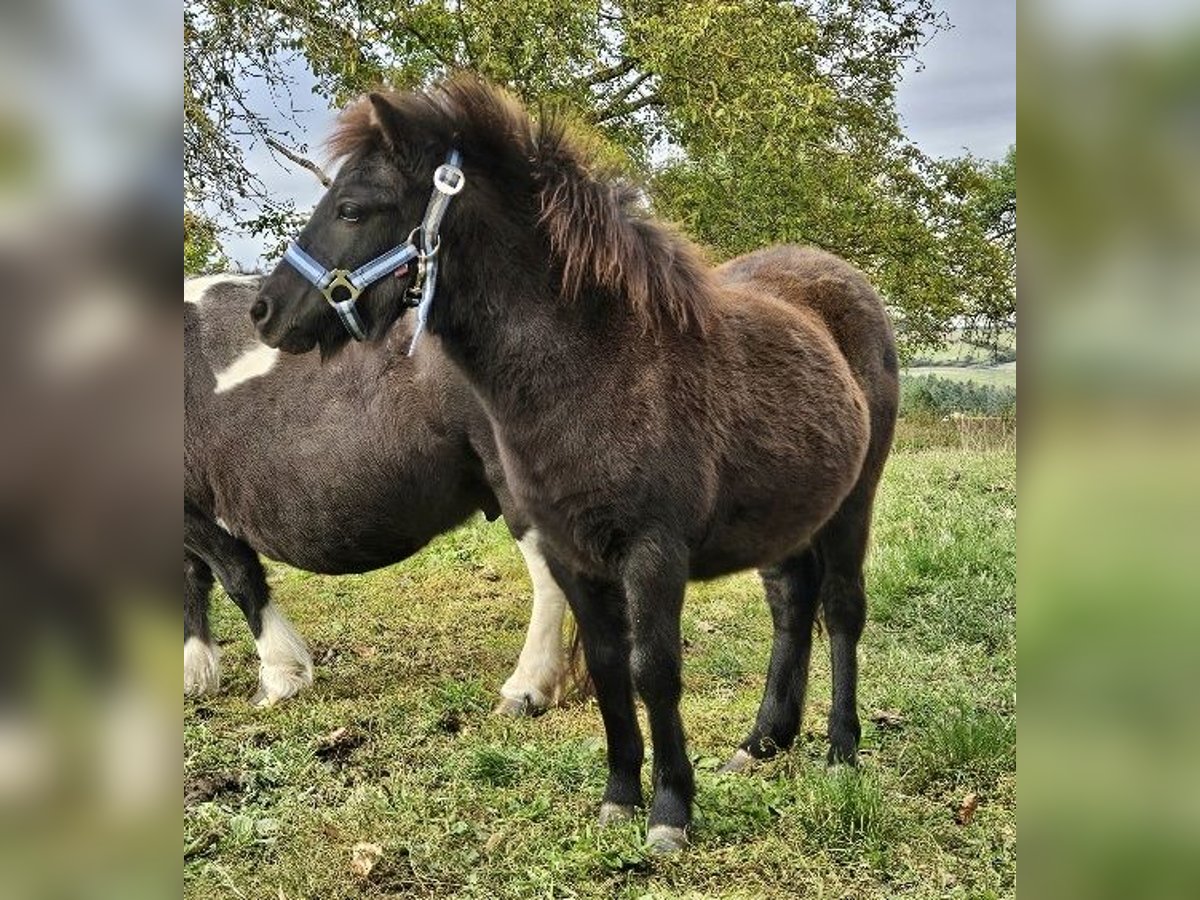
(962, 100)
(965, 98)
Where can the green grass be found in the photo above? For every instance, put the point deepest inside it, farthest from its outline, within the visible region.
(1000, 376)
(961, 361)
(955, 351)
(464, 804)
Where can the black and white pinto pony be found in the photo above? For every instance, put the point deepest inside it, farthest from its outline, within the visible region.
(337, 468)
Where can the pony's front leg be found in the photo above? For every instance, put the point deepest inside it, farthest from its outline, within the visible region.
(537, 682)
(599, 610)
(286, 666)
(655, 576)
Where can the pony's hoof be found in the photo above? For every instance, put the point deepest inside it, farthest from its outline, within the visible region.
(741, 761)
(277, 683)
(844, 736)
(666, 839)
(836, 760)
(518, 707)
(201, 668)
(615, 813)
(845, 754)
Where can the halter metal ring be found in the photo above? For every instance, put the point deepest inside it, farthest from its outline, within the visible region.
(340, 278)
(448, 179)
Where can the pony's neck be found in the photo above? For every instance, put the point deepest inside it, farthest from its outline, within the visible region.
(510, 334)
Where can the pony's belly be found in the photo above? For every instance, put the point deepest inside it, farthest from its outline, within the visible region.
(754, 529)
(336, 553)
(334, 540)
(738, 547)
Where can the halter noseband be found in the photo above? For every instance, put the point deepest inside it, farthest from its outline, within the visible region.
(422, 245)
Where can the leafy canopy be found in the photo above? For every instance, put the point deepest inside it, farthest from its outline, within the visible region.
(751, 122)
(201, 250)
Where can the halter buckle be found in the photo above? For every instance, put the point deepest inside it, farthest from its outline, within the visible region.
(340, 278)
(418, 282)
(448, 179)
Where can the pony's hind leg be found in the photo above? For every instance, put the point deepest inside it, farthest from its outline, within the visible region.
(201, 665)
(285, 663)
(537, 682)
(843, 600)
(792, 591)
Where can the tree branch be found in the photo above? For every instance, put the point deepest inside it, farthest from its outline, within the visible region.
(608, 74)
(401, 23)
(628, 108)
(622, 96)
(299, 160)
(462, 30)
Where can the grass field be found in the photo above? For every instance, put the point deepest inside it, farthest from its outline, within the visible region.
(464, 804)
(959, 360)
(1003, 375)
(957, 351)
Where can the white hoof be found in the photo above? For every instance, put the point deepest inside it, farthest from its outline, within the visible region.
(279, 682)
(741, 761)
(666, 839)
(538, 692)
(615, 813)
(516, 708)
(201, 668)
(287, 667)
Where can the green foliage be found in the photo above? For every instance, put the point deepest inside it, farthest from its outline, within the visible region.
(752, 123)
(929, 396)
(943, 548)
(201, 250)
(996, 199)
(844, 807)
(978, 218)
(498, 766)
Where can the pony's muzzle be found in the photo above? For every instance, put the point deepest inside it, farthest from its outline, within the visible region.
(261, 310)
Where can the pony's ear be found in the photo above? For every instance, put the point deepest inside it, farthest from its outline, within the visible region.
(386, 118)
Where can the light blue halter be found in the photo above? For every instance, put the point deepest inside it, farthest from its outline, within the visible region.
(422, 245)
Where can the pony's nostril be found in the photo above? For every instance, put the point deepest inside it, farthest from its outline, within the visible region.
(260, 311)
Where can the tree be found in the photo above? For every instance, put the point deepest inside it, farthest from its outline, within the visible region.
(997, 200)
(201, 250)
(751, 122)
(978, 223)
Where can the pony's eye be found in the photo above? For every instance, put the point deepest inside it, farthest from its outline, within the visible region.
(349, 212)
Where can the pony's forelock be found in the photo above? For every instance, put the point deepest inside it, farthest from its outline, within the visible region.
(356, 129)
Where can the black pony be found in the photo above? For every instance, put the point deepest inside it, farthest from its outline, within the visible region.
(659, 420)
(338, 468)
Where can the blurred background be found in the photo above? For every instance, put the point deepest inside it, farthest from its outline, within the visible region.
(1110, 457)
(90, 435)
(91, 423)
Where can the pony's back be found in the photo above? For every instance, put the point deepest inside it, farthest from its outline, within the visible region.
(847, 305)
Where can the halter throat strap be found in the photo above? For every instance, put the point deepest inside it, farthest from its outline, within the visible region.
(341, 288)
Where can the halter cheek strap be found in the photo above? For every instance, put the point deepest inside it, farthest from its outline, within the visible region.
(448, 180)
(422, 245)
